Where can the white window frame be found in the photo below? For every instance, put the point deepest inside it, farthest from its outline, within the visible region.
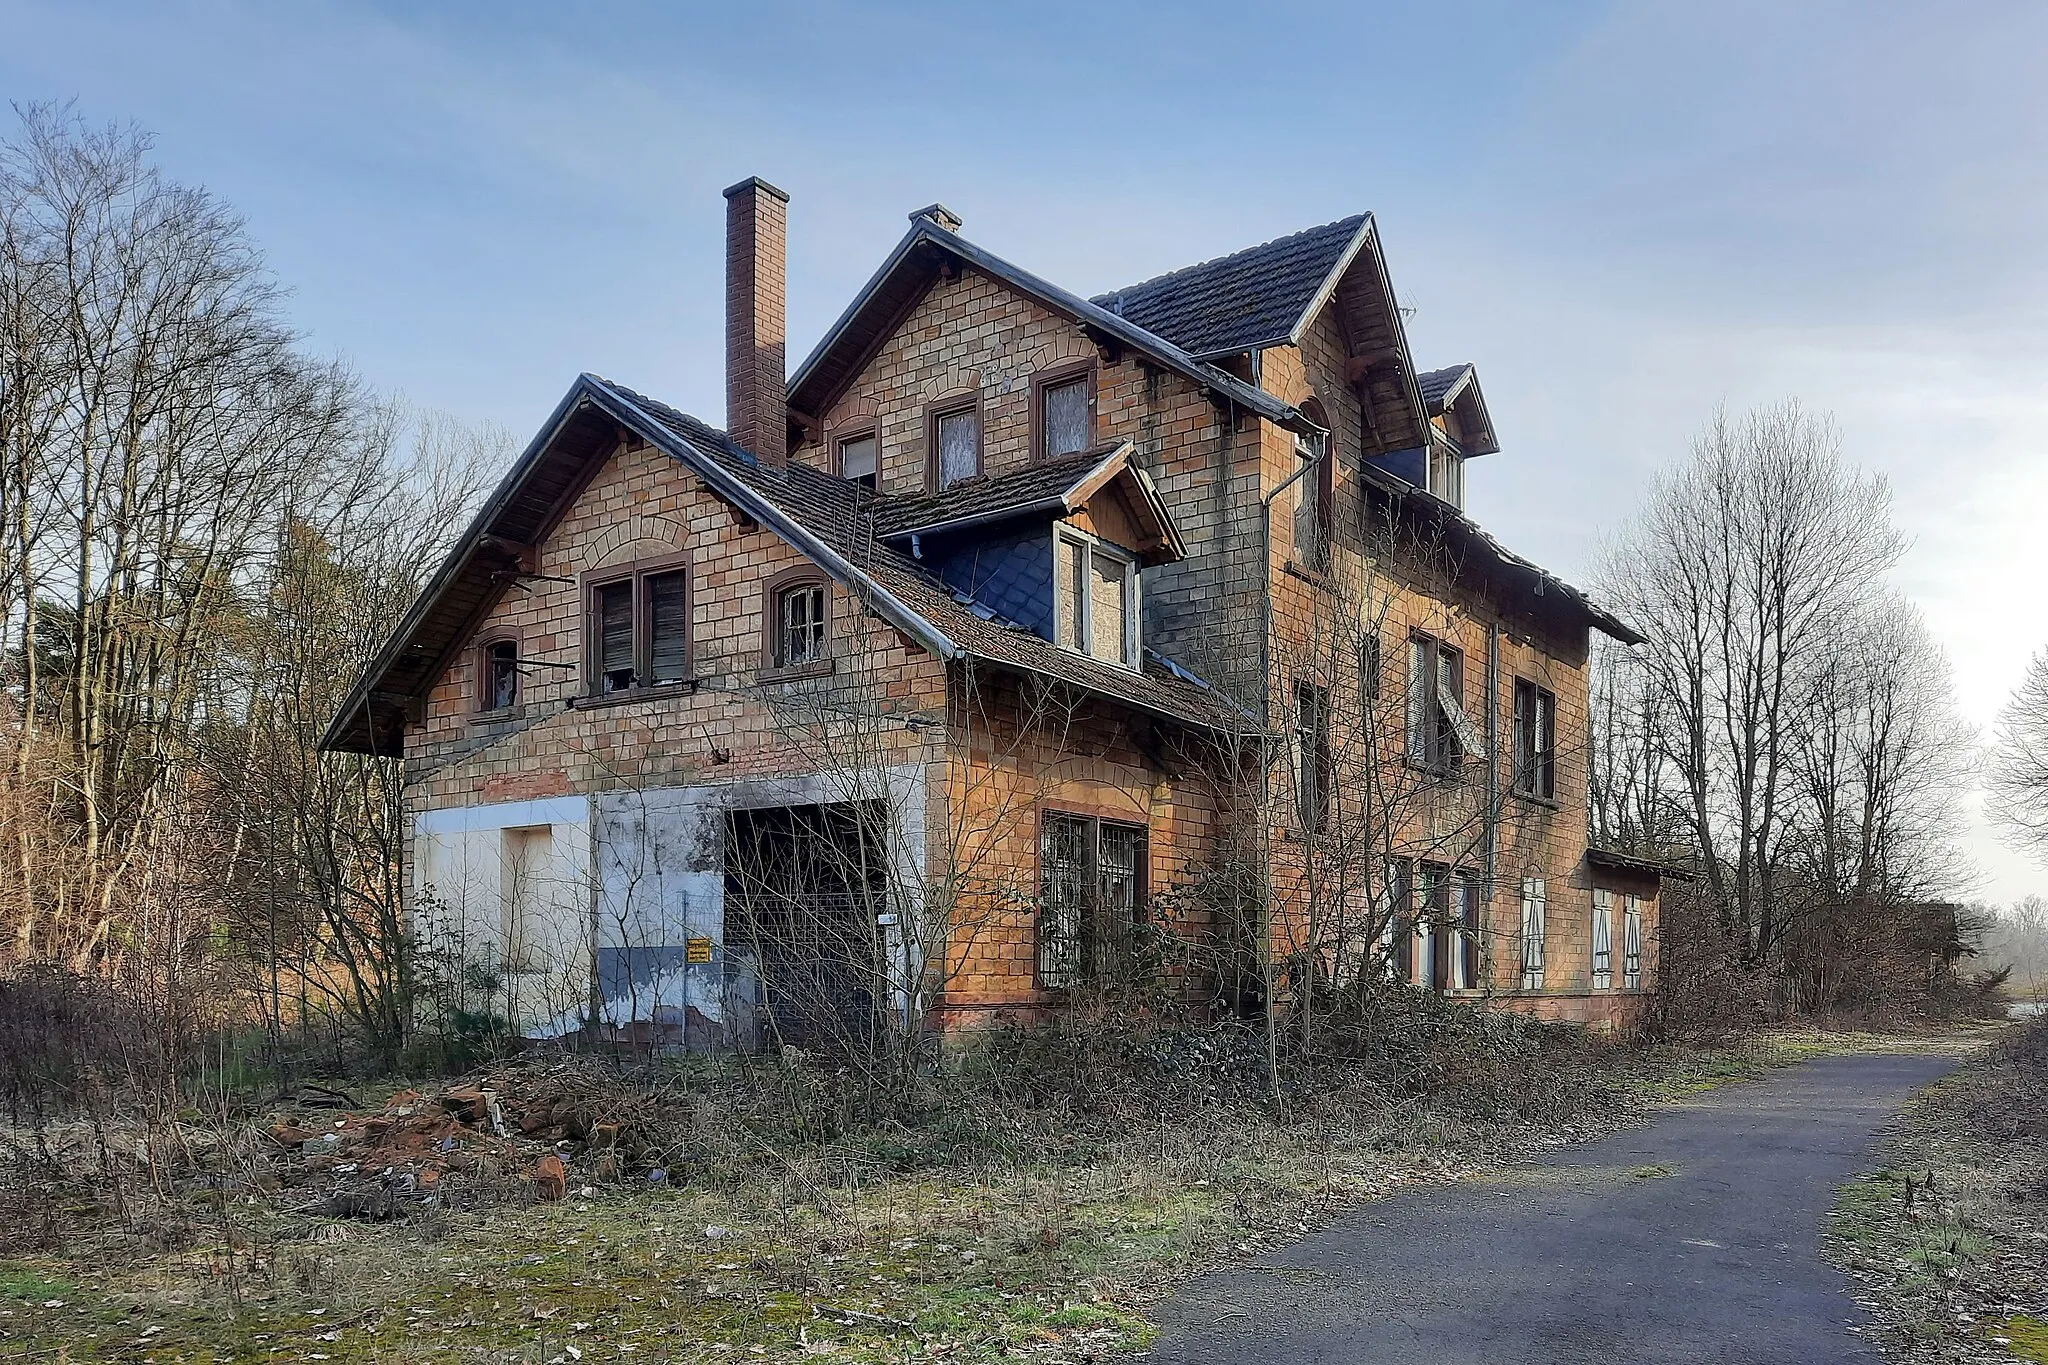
(1632, 943)
(1535, 906)
(1084, 606)
(1603, 940)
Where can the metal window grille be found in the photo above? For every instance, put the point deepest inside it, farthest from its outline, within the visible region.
(1091, 885)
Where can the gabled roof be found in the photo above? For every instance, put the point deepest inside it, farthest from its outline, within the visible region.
(1458, 387)
(1261, 296)
(910, 270)
(1059, 487)
(829, 520)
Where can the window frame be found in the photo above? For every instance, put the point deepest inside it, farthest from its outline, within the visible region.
(1535, 738)
(1315, 556)
(840, 437)
(951, 406)
(1314, 785)
(590, 583)
(773, 589)
(1084, 607)
(1631, 942)
(1443, 749)
(1601, 960)
(481, 692)
(1085, 371)
(1087, 970)
(1535, 931)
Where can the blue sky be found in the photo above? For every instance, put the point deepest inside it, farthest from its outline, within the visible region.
(1624, 213)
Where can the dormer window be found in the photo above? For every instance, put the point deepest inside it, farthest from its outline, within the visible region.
(1447, 473)
(1096, 599)
(860, 459)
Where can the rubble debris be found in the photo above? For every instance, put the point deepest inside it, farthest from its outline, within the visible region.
(550, 1178)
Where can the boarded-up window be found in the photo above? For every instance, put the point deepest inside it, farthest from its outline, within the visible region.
(859, 459)
(1108, 607)
(1535, 898)
(668, 627)
(800, 613)
(615, 636)
(1070, 611)
(1064, 418)
(1091, 888)
(1603, 940)
(959, 441)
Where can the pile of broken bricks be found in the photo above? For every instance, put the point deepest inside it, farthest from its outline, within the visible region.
(424, 1150)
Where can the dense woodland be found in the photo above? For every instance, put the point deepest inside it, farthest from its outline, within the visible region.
(205, 529)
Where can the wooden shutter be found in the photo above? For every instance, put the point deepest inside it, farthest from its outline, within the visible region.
(668, 627)
(614, 613)
(1534, 895)
(1603, 940)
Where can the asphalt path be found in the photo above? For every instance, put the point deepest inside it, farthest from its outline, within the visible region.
(1695, 1238)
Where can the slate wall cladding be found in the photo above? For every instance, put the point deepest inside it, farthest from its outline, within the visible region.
(1008, 569)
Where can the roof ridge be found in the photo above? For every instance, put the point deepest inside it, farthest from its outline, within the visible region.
(1352, 219)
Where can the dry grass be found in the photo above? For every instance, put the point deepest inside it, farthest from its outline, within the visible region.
(993, 1227)
(1948, 1239)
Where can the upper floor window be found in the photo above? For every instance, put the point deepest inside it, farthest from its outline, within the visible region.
(1440, 734)
(1095, 599)
(638, 635)
(800, 624)
(1064, 424)
(1315, 498)
(955, 437)
(860, 459)
(498, 676)
(1312, 767)
(1447, 474)
(1535, 740)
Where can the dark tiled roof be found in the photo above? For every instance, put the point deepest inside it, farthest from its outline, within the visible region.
(1040, 485)
(1436, 383)
(1249, 299)
(842, 515)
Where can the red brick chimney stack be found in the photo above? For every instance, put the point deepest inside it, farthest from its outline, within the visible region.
(756, 319)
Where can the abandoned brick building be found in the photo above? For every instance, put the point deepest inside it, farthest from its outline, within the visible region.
(1009, 622)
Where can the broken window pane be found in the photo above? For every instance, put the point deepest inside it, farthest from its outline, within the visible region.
(1065, 418)
(959, 446)
(802, 612)
(501, 676)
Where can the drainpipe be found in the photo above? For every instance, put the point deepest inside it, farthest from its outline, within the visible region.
(1492, 764)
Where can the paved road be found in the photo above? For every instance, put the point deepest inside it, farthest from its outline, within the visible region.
(1587, 1256)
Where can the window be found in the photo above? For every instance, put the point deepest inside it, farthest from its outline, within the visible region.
(955, 437)
(498, 676)
(1064, 420)
(1466, 965)
(1091, 876)
(1632, 943)
(1314, 495)
(1447, 474)
(1369, 672)
(1603, 940)
(1095, 600)
(639, 629)
(1311, 756)
(1443, 950)
(860, 459)
(1535, 740)
(1534, 898)
(800, 624)
(1440, 735)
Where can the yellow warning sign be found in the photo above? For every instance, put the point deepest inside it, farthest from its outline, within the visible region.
(697, 950)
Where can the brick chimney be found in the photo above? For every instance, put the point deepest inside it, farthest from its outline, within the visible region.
(756, 316)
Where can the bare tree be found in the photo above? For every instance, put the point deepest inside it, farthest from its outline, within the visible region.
(2018, 780)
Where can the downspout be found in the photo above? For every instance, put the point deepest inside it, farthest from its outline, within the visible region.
(1492, 771)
